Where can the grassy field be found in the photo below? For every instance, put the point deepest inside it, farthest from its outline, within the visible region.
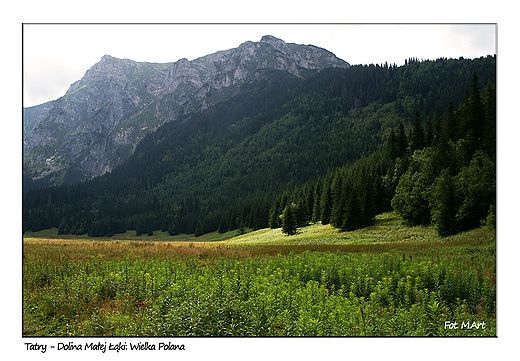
(385, 280)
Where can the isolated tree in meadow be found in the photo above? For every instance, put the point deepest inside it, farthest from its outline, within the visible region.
(288, 218)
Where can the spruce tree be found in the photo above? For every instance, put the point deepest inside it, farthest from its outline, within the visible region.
(417, 137)
(316, 209)
(476, 108)
(338, 201)
(353, 216)
(326, 204)
(172, 229)
(138, 228)
(392, 146)
(366, 184)
(402, 141)
(451, 126)
(223, 226)
(149, 228)
(429, 133)
(437, 128)
(472, 121)
(443, 204)
(289, 220)
(489, 137)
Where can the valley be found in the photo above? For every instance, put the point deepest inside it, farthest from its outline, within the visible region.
(270, 189)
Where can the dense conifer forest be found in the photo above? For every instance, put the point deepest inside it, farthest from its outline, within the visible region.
(338, 147)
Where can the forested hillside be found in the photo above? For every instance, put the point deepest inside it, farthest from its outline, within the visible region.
(441, 171)
(338, 147)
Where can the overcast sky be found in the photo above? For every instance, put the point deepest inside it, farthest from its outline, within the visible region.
(56, 55)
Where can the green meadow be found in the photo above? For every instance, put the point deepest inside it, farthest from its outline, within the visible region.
(389, 279)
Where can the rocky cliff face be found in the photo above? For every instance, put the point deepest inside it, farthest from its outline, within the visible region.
(31, 117)
(100, 120)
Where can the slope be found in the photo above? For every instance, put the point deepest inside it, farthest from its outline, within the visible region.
(221, 166)
(103, 116)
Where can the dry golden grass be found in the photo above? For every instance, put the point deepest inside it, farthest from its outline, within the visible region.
(86, 250)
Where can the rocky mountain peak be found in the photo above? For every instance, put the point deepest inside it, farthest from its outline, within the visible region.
(105, 114)
(269, 39)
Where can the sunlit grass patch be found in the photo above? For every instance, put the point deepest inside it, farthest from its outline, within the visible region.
(388, 227)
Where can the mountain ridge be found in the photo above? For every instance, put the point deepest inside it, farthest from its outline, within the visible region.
(102, 117)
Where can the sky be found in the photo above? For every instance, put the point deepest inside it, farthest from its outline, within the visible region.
(56, 55)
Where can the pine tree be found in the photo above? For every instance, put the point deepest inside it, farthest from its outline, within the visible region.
(429, 133)
(476, 108)
(489, 138)
(392, 146)
(172, 229)
(338, 201)
(402, 141)
(472, 121)
(451, 127)
(326, 204)
(367, 195)
(138, 228)
(289, 220)
(353, 218)
(274, 220)
(300, 215)
(316, 209)
(443, 157)
(443, 204)
(417, 137)
(437, 128)
(199, 229)
(223, 226)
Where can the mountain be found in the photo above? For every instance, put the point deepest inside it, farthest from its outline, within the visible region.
(101, 119)
(234, 164)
